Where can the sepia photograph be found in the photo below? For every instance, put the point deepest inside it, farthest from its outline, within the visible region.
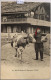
(25, 40)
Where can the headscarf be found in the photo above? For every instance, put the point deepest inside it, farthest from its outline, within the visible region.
(36, 31)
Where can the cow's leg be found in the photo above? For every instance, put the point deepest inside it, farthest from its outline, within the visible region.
(21, 50)
(19, 53)
(16, 53)
(21, 56)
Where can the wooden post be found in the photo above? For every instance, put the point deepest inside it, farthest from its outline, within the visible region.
(4, 29)
(9, 29)
(29, 29)
(14, 29)
(32, 29)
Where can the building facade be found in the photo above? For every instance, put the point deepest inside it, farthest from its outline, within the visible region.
(42, 12)
(16, 18)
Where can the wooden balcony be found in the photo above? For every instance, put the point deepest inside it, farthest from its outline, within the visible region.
(31, 21)
(14, 21)
(38, 22)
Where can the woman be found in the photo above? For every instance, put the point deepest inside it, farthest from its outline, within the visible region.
(38, 44)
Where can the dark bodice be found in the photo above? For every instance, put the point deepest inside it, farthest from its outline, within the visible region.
(38, 38)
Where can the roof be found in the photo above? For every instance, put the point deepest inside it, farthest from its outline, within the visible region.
(12, 7)
(46, 7)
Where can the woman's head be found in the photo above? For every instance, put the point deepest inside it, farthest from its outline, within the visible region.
(37, 31)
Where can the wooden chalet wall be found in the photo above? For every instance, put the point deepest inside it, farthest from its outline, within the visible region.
(42, 12)
(26, 17)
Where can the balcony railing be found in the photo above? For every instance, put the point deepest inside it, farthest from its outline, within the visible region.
(14, 20)
(38, 22)
(32, 21)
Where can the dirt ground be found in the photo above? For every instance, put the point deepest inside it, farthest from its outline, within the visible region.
(28, 56)
(11, 64)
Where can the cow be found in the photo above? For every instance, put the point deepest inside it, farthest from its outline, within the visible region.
(19, 43)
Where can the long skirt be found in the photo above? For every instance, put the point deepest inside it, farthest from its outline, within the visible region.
(38, 46)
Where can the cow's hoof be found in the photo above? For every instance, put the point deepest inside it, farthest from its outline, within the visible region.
(15, 55)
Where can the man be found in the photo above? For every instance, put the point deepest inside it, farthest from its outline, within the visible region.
(38, 44)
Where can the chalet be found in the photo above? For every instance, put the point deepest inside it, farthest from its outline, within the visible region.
(42, 12)
(23, 17)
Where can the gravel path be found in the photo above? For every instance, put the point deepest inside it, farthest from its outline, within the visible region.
(13, 68)
(28, 56)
